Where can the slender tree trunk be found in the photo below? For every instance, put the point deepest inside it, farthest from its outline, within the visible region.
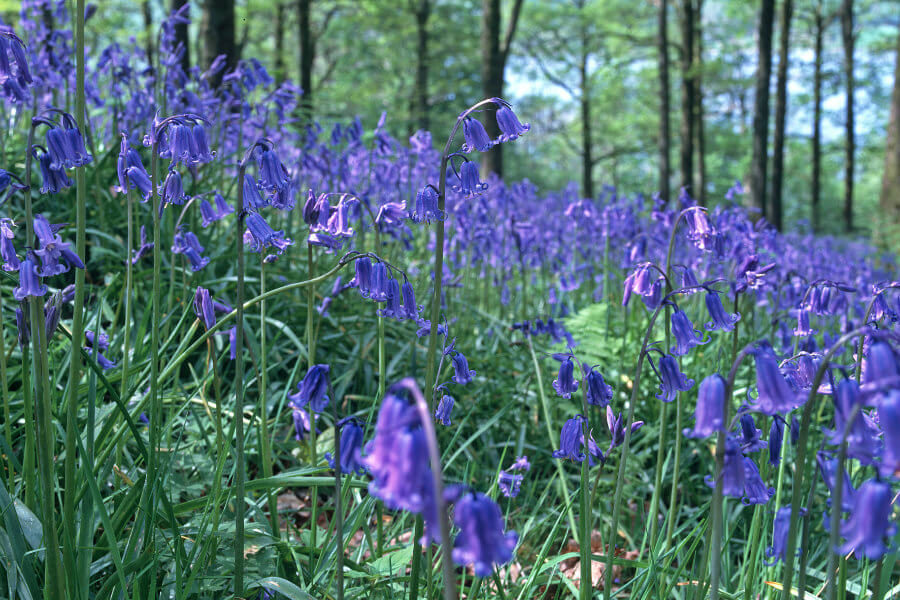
(687, 94)
(307, 55)
(420, 95)
(182, 38)
(700, 188)
(148, 30)
(890, 181)
(280, 16)
(781, 99)
(587, 162)
(665, 141)
(817, 119)
(761, 107)
(217, 26)
(493, 65)
(847, 37)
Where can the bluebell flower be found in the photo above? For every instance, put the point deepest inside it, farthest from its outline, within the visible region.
(828, 469)
(671, 379)
(52, 314)
(755, 490)
(260, 235)
(616, 425)
(481, 541)
(476, 136)
(172, 191)
(130, 170)
(391, 213)
(426, 208)
(565, 383)
(571, 443)
(323, 240)
(520, 464)
(104, 362)
(313, 390)
(207, 213)
(508, 122)
(301, 419)
(776, 439)
(379, 289)
(773, 394)
(203, 307)
(52, 249)
(66, 146)
(252, 198)
(144, 249)
(470, 183)
(23, 328)
(654, 298)
(186, 243)
(362, 280)
(687, 278)
(509, 483)
(889, 420)
(751, 440)
(180, 144)
(734, 473)
(862, 439)
(803, 327)
(880, 364)
(700, 230)
(29, 282)
(7, 248)
(200, 152)
(410, 309)
(338, 223)
(597, 391)
(393, 307)
(870, 521)
(461, 372)
(640, 281)
(686, 337)
(21, 75)
(139, 179)
(721, 320)
(54, 179)
(442, 412)
(99, 341)
(351, 447)
(777, 551)
(708, 417)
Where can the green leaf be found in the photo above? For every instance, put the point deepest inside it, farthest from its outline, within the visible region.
(283, 587)
(390, 563)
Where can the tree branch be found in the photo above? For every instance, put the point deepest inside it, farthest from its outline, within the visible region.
(510, 30)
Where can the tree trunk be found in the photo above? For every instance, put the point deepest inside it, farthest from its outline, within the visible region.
(776, 206)
(218, 30)
(181, 37)
(700, 188)
(847, 37)
(587, 162)
(280, 16)
(687, 94)
(420, 95)
(890, 181)
(665, 168)
(148, 31)
(761, 107)
(307, 50)
(817, 119)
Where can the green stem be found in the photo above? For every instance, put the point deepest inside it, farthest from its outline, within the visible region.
(311, 359)
(339, 509)
(263, 417)
(239, 397)
(4, 389)
(584, 545)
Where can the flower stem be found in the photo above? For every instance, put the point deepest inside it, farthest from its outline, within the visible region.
(238, 587)
(263, 416)
(339, 509)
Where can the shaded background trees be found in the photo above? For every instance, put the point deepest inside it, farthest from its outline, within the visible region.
(793, 97)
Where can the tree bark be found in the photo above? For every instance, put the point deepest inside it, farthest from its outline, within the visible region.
(817, 119)
(665, 141)
(182, 38)
(280, 16)
(776, 207)
(890, 180)
(493, 65)
(218, 30)
(420, 95)
(847, 37)
(587, 137)
(687, 94)
(148, 31)
(700, 188)
(307, 50)
(761, 107)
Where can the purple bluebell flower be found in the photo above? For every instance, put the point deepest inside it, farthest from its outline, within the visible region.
(777, 551)
(323, 240)
(773, 394)
(52, 314)
(686, 337)
(508, 122)
(470, 183)
(105, 363)
(54, 179)
(66, 146)
(721, 320)
(7, 249)
(708, 417)
(172, 191)
(640, 281)
(200, 152)
(520, 464)
(207, 213)
(351, 447)
(481, 541)
(803, 327)
(442, 412)
(734, 473)
(362, 280)
(99, 341)
(862, 439)
(461, 372)
(21, 75)
(379, 288)
(776, 439)
(509, 483)
(426, 208)
(261, 235)
(751, 440)
(597, 391)
(880, 364)
(671, 379)
(203, 307)
(393, 308)
(144, 249)
(252, 198)
(870, 521)
(889, 420)
(828, 470)
(186, 243)
(687, 278)
(391, 213)
(616, 425)
(476, 136)
(273, 175)
(52, 249)
(755, 490)
(410, 309)
(571, 443)
(29, 282)
(23, 328)
(313, 390)
(700, 230)
(565, 383)
(302, 423)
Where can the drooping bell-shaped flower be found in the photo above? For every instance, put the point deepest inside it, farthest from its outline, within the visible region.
(803, 328)
(828, 469)
(509, 124)
(750, 440)
(203, 307)
(734, 473)
(426, 208)
(301, 419)
(686, 337)
(482, 541)
(410, 309)
(273, 175)
(777, 551)
(253, 200)
(144, 249)
(187, 244)
(721, 320)
(862, 437)
(870, 521)
(671, 379)
(393, 307)
(23, 328)
(708, 418)
(755, 490)
(53, 178)
(640, 281)
(476, 136)
(351, 447)
(520, 464)
(313, 390)
(565, 383)
(391, 214)
(700, 230)
(880, 365)
(889, 420)
(509, 483)
(100, 340)
(7, 248)
(52, 249)
(172, 191)
(571, 442)
(262, 236)
(776, 440)
(773, 393)
(470, 183)
(362, 280)
(29, 281)
(461, 372)
(442, 412)
(616, 424)
(597, 391)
